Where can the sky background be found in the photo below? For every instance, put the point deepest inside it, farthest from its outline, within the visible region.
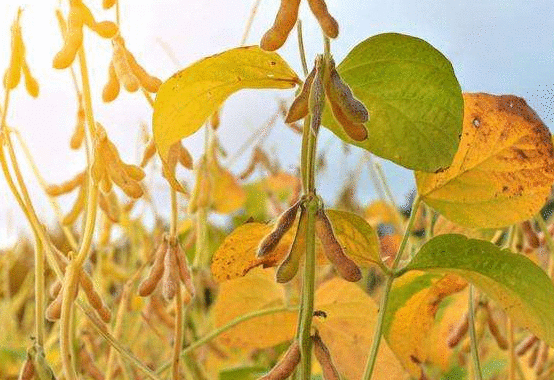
(495, 46)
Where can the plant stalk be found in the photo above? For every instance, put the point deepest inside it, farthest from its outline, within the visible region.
(473, 336)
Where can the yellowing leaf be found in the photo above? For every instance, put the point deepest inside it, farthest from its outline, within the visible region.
(380, 212)
(357, 238)
(255, 291)
(503, 170)
(411, 316)
(187, 99)
(227, 195)
(237, 254)
(347, 330)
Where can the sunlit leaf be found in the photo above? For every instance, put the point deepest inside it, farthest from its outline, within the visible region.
(413, 97)
(415, 299)
(512, 280)
(227, 195)
(347, 329)
(357, 238)
(186, 100)
(255, 291)
(237, 254)
(503, 170)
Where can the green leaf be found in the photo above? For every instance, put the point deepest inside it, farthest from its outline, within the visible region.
(413, 97)
(186, 100)
(512, 280)
(242, 373)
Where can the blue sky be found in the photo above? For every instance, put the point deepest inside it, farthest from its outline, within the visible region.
(500, 47)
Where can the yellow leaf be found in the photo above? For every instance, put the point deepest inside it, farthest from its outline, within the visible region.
(237, 254)
(412, 315)
(357, 238)
(255, 291)
(187, 99)
(227, 195)
(380, 212)
(347, 330)
(503, 170)
(444, 226)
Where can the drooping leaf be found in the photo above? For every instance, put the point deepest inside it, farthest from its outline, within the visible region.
(347, 329)
(512, 280)
(413, 97)
(186, 100)
(503, 170)
(255, 291)
(415, 299)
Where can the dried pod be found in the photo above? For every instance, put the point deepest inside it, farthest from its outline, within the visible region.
(54, 310)
(534, 355)
(31, 84)
(346, 268)
(299, 107)
(65, 187)
(149, 284)
(316, 101)
(459, 331)
(112, 87)
(79, 132)
(356, 131)
(526, 344)
(289, 267)
(184, 271)
(339, 93)
(324, 358)
(531, 236)
(87, 364)
(328, 24)
(500, 339)
(542, 358)
(55, 288)
(109, 205)
(286, 365)
(286, 17)
(251, 166)
(170, 280)
(122, 67)
(283, 224)
(12, 75)
(27, 370)
(148, 82)
(77, 208)
(105, 29)
(73, 38)
(93, 297)
(149, 152)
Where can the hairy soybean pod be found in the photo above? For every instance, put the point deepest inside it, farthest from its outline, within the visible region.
(149, 284)
(526, 344)
(79, 132)
(122, 67)
(286, 17)
(346, 268)
(31, 84)
(316, 101)
(185, 159)
(341, 94)
(65, 187)
(54, 310)
(284, 223)
(27, 370)
(533, 356)
(93, 297)
(355, 131)
(112, 87)
(459, 331)
(328, 24)
(107, 4)
(324, 358)
(149, 152)
(184, 271)
(170, 280)
(286, 365)
(530, 234)
(13, 73)
(289, 267)
(501, 340)
(299, 107)
(147, 81)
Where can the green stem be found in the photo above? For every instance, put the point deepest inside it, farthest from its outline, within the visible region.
(370, 366)
(301, 47)
(473, 336)
(215, 333)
